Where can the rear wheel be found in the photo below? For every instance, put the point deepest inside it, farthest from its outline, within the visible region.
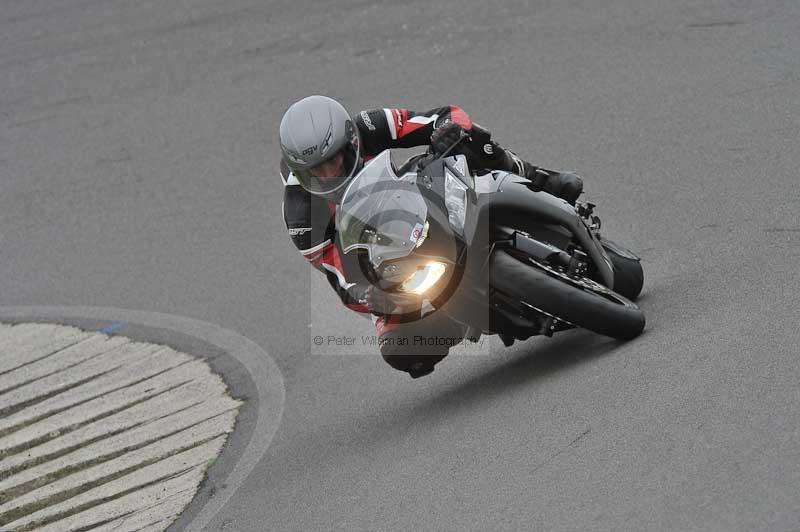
(628, 275)
(576, 300)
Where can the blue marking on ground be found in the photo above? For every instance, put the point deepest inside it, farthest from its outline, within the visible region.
(108, 329)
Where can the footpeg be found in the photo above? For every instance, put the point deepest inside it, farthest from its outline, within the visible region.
(548, 326)
(587, 213)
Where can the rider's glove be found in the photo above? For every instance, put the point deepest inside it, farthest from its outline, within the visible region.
(374, 302)
(445, 136)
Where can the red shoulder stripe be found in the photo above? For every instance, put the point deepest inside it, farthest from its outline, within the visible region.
(460, 117)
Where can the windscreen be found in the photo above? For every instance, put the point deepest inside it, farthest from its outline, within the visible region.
(381, 213)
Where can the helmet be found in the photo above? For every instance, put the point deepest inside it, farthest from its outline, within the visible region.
(318, 130)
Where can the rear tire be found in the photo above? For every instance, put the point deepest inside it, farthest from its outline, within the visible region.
(628, 275)
(579, 301)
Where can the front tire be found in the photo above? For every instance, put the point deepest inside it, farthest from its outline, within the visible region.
(579, 301)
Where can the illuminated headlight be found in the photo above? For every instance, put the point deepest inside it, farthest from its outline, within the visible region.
(455, 198)
(422, 279)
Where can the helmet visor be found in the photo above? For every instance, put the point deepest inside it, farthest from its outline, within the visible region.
(333, 172)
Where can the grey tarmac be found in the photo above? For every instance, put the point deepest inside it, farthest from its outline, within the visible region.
(138, 170)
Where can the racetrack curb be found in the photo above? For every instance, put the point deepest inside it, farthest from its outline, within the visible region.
(265, 402)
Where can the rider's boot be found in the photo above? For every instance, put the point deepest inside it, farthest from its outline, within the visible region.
(488, 154)
(564, 185)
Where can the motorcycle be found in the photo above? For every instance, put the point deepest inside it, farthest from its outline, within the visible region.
(487, 249)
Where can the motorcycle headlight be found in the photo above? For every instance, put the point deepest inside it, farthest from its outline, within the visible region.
(424, 278)
(455, 199)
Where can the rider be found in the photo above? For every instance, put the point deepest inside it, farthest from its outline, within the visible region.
(323, 148)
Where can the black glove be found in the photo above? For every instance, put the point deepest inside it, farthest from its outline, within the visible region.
(374, 301)
(445, 136)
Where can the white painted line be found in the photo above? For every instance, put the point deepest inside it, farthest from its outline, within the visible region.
(95, 429)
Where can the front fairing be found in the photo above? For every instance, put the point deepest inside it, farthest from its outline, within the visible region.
(397, 225)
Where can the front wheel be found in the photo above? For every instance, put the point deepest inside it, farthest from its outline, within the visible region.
(579, 301)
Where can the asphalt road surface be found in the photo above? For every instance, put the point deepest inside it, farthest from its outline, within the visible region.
(138, 170)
